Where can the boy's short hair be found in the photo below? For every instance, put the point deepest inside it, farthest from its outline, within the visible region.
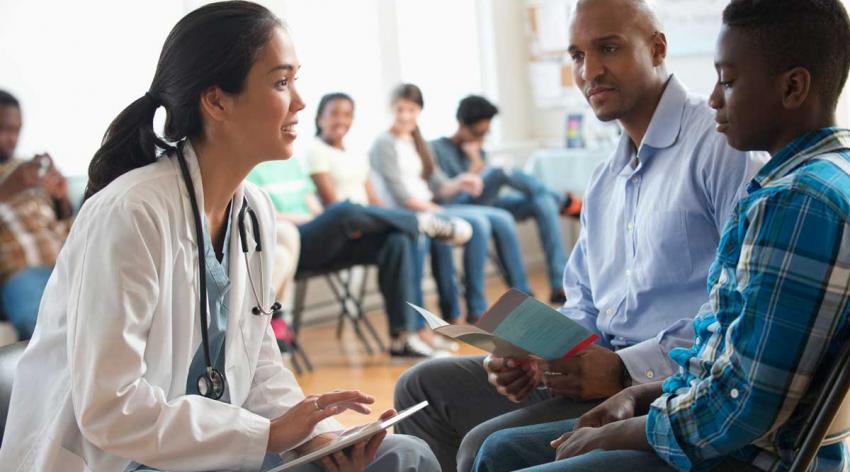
(475, 108)
(814, 34)
(7, 99)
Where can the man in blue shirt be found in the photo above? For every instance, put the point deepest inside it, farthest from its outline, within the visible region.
(530, 198)
(651, 222)
(779, 288)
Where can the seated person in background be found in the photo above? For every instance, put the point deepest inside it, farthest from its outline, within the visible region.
(651, 223)
(35, 216)
(346, 234)
(409, 178)
(779, 288)
(342, 175)
(462, 152)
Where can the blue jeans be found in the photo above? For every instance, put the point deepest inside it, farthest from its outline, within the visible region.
(527, 448)
(532, 199)
(441, 258)
(346, 234)
(20, 297)
(487, 223)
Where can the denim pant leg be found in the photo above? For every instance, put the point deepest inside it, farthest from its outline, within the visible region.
(474, 255)
(544, 209)
(516, 448)
(609, 461)
(507, 246)
(392, 254)
(20, 297)
(443, 271)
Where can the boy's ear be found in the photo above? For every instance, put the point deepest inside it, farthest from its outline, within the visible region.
(795, 85)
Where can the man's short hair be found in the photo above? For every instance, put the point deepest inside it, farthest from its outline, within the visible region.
(813, 34)
(7, 99)
(475, 108)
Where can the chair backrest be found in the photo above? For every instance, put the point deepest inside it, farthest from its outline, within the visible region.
(829, 422)
(9, 357)
(840, 427)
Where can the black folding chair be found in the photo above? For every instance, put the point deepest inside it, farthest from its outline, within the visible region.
(350, 300)
(829, 422)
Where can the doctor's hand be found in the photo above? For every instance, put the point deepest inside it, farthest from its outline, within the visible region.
(513, 378)
(593, 373)
(357, 457)
(298, 422)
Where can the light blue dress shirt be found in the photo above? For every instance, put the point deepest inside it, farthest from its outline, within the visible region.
(637, 275)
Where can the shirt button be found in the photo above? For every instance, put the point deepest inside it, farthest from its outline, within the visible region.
(734, 393)
(635, 180)
(610, 311)
(630, 226)
(650, 374)
(628, 272)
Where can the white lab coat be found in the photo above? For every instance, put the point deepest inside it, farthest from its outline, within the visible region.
(103, 380)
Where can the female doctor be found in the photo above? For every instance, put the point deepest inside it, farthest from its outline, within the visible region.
(121, 373)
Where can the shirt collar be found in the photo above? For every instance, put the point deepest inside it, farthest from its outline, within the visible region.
(798, 152)
(667, 120)
(664, 127)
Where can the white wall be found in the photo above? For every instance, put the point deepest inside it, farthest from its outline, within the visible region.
(76, 65)
(74, 72)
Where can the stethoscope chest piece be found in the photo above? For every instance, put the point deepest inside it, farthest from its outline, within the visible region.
(211, 384)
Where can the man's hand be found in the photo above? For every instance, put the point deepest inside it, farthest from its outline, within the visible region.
(513, 378)
(593, 373)
(628, 434)
(24, 177)
(470, 183)
(472, 149)
(52, 181)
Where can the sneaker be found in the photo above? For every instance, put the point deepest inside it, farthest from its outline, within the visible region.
(450, 229)
(282, 331)
(413, 346)
(442, 343)
(571, 206)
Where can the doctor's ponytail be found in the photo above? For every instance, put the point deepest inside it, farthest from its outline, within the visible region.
(213, 46)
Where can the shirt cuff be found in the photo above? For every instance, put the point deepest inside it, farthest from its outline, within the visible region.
(646, 361)
(257, 430)
(662, 437)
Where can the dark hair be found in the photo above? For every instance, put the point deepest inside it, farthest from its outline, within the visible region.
(8, 100)
(215, 45)
(475, 108)
(324, 102)
(813, 34)
(414, 94)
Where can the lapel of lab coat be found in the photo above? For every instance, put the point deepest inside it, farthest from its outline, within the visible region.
(237, 369)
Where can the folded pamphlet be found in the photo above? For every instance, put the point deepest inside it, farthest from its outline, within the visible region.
(517, 325)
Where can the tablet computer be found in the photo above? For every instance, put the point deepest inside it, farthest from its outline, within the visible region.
(348, 438)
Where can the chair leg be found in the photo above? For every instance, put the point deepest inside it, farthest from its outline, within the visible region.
(340, 288)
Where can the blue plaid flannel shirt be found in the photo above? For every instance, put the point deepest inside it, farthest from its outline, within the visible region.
(779, 301)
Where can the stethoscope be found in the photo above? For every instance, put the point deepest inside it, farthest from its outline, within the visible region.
(211, 383)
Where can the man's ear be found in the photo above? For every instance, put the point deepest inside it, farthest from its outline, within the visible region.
(794, 86)
(215, 103)
(659, 48)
